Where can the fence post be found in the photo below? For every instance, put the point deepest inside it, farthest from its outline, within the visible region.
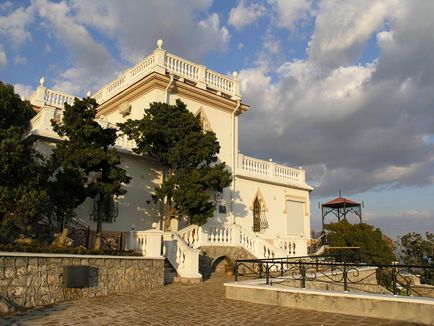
(345, 277)
(395, 288)
(303, 275)
(260, 270)
(236, 272)
(267, 274)
(281, 267)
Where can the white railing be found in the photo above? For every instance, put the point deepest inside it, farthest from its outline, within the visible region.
(165, 63)
(48, 97)
(259, 247)
(57, 99)
(183, 258)
(41, 123)
(253, 167)
(193, 235)
(181, 67)
(234, 235)
(148, 243)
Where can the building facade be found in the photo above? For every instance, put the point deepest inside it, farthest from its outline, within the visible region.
(267, 201)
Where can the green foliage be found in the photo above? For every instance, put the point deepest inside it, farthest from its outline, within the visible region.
(23, 173)
(373, 245)
(174, 136)
(13, 111)
(63, 250)
(84, 163)
(415, 250)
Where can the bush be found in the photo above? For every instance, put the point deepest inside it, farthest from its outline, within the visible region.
(63, 250)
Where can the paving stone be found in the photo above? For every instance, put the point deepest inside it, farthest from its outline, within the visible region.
(180, 304)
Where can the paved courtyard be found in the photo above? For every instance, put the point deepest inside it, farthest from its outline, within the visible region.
(179, 304)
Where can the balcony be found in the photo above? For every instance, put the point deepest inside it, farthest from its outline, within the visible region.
(256, 169)
(40, 126)
(165, 63)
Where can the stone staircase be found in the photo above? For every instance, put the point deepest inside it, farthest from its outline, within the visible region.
(194, 252)
(169, 272)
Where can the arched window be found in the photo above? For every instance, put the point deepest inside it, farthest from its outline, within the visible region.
(206, 126)
(257, 210)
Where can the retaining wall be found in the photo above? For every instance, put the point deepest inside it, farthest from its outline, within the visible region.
(29, 279)
(410, 309)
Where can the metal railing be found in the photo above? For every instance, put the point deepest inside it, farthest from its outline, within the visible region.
(345, 271)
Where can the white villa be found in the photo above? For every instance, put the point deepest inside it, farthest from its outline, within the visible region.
(266, 208)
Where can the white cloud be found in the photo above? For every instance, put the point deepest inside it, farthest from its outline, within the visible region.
(3, 57)
(242, 16)
(398, 224)
(353, 127)
(290, 13)
(14, 27)
(136, 27)
(344, 27)
(24, 90)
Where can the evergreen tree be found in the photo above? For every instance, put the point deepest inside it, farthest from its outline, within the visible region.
(23, 173)
(372, 243)
(85, 163)
(415, 250)
(174, 136)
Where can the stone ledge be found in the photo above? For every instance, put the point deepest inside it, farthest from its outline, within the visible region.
(410, 309)
(54, 255)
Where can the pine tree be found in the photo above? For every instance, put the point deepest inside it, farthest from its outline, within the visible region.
(174, 136)
(23, 173)
(85, 162)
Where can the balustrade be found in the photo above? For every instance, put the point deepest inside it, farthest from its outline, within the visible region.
(164, 62)
(183, 258)
(57, 99)
(255, 167)
(147, 242)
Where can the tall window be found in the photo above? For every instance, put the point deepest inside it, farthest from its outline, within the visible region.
(257, 209)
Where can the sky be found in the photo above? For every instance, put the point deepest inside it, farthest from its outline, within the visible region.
(344, 89)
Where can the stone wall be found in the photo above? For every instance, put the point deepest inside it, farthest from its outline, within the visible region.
(29, 280)
(406, 309)
(211, 258)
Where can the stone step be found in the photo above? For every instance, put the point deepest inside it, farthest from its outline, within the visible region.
(169, 272)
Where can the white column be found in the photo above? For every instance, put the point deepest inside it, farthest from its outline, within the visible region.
(153, 243)
(159, 55)
(201, 77)
(191, 264)
(132, 241)
(235, 234)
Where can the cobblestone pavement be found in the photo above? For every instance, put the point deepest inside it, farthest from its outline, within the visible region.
(179, 304)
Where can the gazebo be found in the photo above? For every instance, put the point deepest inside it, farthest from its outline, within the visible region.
(341, 207)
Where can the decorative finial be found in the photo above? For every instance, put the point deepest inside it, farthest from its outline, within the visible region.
(300, 168)
(235, 75)
(270, 159)
(42, 81)
(160, 43)
(88, 94)
(154, 225)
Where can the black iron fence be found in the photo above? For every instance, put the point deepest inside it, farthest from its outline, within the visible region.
(347, 272)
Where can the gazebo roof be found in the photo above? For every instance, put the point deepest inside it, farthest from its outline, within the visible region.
(341, 202)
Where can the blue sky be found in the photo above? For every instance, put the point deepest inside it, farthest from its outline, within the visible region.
(342, 88)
